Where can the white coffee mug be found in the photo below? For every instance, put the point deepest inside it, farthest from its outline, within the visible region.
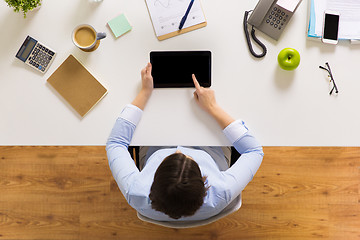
(85, 37)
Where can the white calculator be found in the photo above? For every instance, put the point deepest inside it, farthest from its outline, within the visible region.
(36, 54)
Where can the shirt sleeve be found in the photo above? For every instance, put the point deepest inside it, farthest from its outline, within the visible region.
(244, 169)
(121, 164)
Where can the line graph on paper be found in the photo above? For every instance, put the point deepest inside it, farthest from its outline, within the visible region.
(166, 3)
(166, 14)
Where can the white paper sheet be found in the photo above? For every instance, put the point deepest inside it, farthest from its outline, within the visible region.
(166, 14)
(289, 5)
(349, 26)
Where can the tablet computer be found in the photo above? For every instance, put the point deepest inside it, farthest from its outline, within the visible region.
(173, 69)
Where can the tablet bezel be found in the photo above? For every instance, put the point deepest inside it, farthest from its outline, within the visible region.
(164, 54)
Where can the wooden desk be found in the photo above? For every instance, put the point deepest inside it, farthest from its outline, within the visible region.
(281, 108)
(68, 192)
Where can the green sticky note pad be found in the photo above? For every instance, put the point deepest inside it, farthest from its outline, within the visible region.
(119, 25)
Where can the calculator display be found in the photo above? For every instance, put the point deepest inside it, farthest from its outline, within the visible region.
(27, 50)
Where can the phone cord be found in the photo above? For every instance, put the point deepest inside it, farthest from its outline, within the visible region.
(254, 37)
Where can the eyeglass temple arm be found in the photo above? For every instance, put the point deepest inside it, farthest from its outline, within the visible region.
(326, 70)
(323, 68)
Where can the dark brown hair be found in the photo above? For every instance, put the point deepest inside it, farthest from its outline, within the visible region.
(178, 188)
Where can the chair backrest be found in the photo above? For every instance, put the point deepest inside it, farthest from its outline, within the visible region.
(232, 207)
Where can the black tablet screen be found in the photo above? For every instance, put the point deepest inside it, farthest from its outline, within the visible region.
(174, 69)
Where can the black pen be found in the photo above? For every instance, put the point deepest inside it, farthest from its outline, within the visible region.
(182, 22)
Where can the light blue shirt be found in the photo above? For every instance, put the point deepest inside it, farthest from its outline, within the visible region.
(225, 186)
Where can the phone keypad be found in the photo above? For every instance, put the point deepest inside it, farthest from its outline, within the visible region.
(277, 18)
(40, 57)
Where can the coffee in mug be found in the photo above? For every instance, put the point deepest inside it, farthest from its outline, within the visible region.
(86, 38)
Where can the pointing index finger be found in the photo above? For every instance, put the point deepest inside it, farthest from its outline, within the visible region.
(196, 83)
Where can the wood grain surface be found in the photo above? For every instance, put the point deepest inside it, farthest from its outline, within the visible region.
(69, 193)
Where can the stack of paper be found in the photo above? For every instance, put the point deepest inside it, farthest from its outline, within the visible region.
(349, 27)
(289, 5)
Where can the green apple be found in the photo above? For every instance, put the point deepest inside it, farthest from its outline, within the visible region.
(289, 59)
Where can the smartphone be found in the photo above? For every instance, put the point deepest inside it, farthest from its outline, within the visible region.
(331, 27)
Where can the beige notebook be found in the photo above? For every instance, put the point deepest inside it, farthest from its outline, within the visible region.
(77, 86)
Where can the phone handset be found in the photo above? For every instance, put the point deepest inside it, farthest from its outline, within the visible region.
(271, 18)
(260, 11)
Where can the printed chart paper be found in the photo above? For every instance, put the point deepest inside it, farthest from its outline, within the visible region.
(167, 14)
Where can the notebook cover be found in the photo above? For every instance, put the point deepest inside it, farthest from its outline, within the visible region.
(77, 86)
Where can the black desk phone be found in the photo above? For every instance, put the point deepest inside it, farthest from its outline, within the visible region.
(270, 17)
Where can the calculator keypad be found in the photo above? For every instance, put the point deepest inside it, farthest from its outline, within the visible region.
(40, 57)
(277, 18)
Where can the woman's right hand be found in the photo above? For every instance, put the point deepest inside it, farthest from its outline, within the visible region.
(205, 97)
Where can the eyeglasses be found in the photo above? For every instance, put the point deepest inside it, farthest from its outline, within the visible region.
(327, 68)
